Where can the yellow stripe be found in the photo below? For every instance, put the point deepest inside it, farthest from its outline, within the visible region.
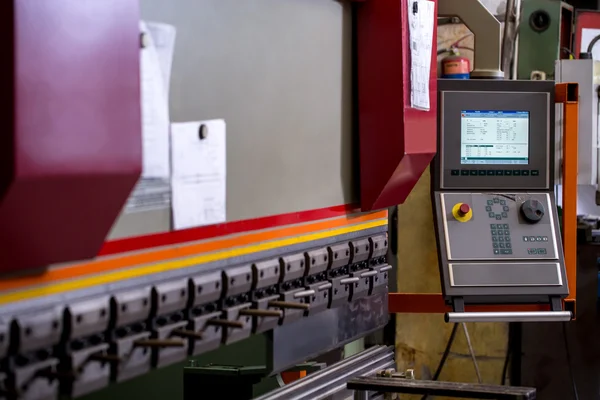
(112, 277)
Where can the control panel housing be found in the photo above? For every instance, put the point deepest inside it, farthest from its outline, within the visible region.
(497, 227)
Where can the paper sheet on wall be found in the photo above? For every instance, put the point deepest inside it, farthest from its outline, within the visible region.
(198, 179)
(155, 70)
(153, 191)
(587, 35)
(421, 16)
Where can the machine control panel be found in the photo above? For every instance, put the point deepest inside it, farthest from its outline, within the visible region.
(482, 226)
(497, 226)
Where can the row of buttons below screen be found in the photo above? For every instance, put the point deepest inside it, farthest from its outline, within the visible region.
(509, 251)
(494, 172)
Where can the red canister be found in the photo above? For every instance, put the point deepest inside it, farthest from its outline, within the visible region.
(456, 67)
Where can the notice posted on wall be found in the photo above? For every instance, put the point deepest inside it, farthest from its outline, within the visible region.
(421, 17)
(198, 178)
(153, 190)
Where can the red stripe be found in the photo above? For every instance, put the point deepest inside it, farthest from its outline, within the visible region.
(229, 228)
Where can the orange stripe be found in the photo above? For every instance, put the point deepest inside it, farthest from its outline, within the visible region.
(113, 264)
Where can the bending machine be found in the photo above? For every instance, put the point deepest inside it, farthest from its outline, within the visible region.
(498, 231)
(94, 291)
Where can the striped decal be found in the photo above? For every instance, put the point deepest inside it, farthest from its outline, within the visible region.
(112, 269)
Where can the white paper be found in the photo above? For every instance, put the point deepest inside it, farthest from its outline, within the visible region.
(155, 71)
(149, 195)
(198, 180)
(421, 14)
(587, 35)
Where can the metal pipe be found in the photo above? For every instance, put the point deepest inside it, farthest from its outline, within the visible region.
(507, 39)
(517, 316)
(328, 373)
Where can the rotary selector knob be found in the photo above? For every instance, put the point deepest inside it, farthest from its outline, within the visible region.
(532, 210)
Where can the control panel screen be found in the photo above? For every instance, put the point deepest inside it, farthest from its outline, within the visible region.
(494, 137)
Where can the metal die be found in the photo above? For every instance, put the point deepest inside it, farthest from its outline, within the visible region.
(294, 304)
(360, 250)
(87, 317)
(362, 286)
(380, 281)
(134, 360)
(211, 334)
(131, 306)
(206, 288)
(379, 246)
(167, 355)
(339, 255)
(39, 331)
(317, 261)
(263, 324)
(36, 381)
(292, 267)
(4, 339)
(170, 297)
(319, 301)
(341, 289)
(91, 369)
(237, 280)
(233, 334)
(266, 273)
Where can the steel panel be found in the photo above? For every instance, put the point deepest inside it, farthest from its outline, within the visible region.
(279, 73)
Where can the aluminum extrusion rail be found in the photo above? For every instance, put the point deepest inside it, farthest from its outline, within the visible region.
(333, 379)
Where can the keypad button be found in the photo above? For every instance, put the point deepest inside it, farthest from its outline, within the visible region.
(506, 232)
(539, 238)
(499, 217)
(496, 251)
(499, 173)
(501, 245)
(454, 172)
(506, 251)
(495, 245)
(507, 238)
(506, 208)
(508, 172)
(493, 226)
(491, 215)
(490, 202)
(535, 172)
(532, 238)
(481, 172)
(544, 238)
(493, 231)
(533, 251)
(525, 172)
(491, 172)
(517, 172)
(508, 245)
(526, 238)
(502, 202)
(504, 214)
(473, 172)
(501, 238)
(505, 226)
(488, 208)
(496, 200)
(464, 172)
(541, 251)
(494, 238)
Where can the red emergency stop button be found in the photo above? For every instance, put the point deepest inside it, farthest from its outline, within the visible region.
(463, 209)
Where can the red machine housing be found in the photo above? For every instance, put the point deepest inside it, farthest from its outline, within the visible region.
(397, 142)
(71, 138)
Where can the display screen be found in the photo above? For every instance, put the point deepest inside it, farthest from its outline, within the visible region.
(494, 137)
